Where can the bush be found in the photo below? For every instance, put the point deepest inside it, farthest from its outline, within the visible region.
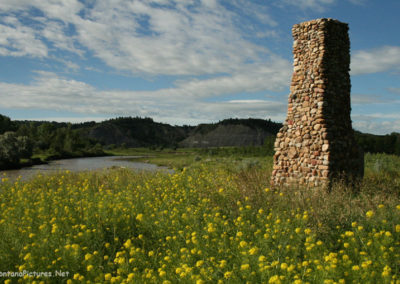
(13, 148)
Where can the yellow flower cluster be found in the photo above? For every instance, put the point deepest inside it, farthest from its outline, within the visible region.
(193, 226)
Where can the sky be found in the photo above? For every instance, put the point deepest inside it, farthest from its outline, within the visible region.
(185, 62)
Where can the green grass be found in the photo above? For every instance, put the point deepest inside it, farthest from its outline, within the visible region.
(216, 220)
(185, 157)
(177, 159)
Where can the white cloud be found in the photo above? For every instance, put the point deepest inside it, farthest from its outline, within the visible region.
(174, 105)
(377, 122)
(363, 99)
(267, 34)
(25, 34)
(318, 5)
(272, 76)
(373, 123)
(253, 10)
(381, 59)
(71, 65)
(159, 40)
(78, 119)
(379, 115)
(210, 3)
(19, 40)
(55, 33)
(170, 38)
(63, 10)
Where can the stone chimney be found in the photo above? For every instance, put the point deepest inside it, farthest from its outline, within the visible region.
(316, 143)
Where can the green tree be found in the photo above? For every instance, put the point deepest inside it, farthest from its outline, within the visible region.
(58, 140)
(25, 147)
(72, 141)
(6, 124)
(9, 150)
(390, 143)
(269, 144)
(397, 144)
(45, 135)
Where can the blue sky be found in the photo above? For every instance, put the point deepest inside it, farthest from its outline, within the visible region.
(185, 61)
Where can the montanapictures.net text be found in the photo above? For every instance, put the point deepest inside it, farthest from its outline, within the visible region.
(44, 274)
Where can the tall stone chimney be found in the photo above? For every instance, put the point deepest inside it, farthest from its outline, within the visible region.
(316, 143)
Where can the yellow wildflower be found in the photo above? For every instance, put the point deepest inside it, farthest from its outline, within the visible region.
(369, 214)
(199, 263)
(227, 274)
(139, 217)
(274, 279)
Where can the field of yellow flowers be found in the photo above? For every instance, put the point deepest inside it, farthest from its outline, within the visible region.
(204, 224)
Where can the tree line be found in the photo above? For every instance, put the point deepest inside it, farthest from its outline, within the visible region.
(22, 139)
(388, 144)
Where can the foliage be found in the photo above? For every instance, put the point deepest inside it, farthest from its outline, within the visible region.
(267, 125)
(25, 147)
(13, 148)
(58, 140)
(214, 222)
(138, 132)
(389, 144)
(6, 124)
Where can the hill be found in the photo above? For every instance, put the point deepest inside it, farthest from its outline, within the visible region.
(136, 132)
(231, 132)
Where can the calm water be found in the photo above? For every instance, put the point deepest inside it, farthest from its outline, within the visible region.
(82, 164)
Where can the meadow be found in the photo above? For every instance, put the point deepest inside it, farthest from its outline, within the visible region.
(214, 220)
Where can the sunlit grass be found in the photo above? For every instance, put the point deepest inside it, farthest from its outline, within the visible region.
(216, 221)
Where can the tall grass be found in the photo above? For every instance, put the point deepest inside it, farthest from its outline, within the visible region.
(217, 221)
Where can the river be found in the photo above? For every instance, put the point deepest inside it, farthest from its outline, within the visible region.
(81, 164)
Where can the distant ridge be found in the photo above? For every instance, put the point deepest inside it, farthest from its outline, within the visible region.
(139, 132)
(231, 132)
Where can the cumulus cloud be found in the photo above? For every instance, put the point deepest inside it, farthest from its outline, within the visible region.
(381, 59)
